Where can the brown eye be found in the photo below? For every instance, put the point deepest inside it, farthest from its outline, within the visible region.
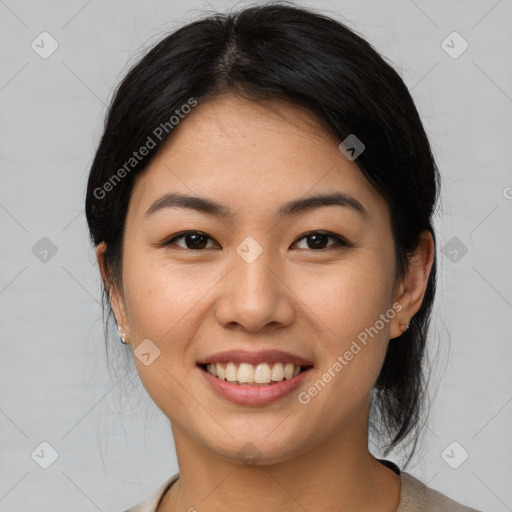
(194, 240)
(318, 240)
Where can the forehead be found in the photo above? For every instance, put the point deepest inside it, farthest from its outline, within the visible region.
(252, 155)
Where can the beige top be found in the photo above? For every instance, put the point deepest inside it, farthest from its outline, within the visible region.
(415, 496)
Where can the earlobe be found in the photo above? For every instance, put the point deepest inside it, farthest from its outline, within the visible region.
(413, 287)
(403, 327)
(122, 335)
(399, 326)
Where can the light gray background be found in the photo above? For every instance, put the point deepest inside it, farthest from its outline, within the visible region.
(114, 446)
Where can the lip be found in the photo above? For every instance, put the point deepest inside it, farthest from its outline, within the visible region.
(263, 356)
(241, 394)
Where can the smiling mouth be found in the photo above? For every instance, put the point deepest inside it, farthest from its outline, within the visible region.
(262, 374)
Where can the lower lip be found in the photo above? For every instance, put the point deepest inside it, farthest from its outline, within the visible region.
(242, 394)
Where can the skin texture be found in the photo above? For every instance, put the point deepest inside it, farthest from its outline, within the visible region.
(313, 302)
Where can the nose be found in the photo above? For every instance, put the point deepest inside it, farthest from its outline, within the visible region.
(255, 295)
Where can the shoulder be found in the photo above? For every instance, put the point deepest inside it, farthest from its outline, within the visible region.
(415, 496)
(150, 504)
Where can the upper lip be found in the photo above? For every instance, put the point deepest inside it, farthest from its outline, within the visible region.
(262, 356)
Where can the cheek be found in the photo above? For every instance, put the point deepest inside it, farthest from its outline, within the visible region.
(352, 310)
(353, 328)
(351, 295)
(160, 302)
(159, 297)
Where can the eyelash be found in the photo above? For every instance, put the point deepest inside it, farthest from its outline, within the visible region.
(340, 241)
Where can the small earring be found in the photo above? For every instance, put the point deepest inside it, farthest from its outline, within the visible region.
(122, 336)
(404, 327)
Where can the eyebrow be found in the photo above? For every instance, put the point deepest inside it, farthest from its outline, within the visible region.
(211, 207)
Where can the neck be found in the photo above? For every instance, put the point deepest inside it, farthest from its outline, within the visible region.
(339, 474)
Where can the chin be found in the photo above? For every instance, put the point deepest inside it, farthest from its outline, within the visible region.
(258, 450)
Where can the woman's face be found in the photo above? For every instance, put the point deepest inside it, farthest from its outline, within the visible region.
(259, 279)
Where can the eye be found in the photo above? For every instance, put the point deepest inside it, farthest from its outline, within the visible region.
(193, 240)
(318, 240)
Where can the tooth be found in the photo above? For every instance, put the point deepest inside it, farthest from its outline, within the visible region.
(221, 373)
(245, 373)
(231, 372)
(262, 374)
(278, 372)
(288, 371)
(211, 369)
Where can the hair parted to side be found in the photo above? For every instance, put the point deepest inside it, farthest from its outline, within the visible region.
(280, 51)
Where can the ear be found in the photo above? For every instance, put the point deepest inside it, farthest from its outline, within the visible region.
(412, 288)
(115, 295)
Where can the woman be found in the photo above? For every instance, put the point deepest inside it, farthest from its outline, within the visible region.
(261, 202)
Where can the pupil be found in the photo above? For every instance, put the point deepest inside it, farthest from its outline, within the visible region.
(198, 241)
(195, 237)
(318, 241)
